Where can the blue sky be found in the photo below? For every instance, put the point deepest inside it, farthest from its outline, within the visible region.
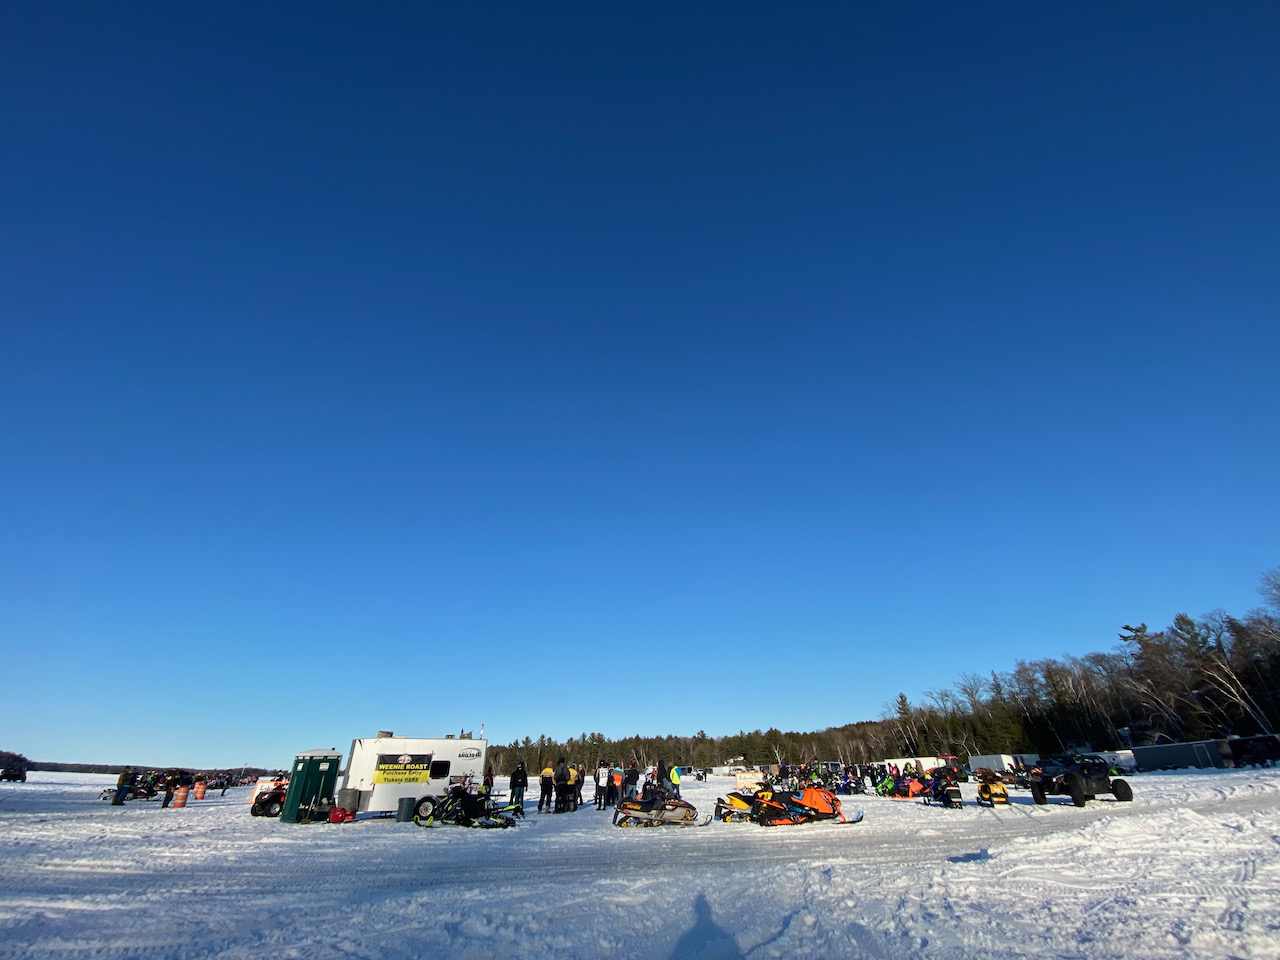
(634, 370)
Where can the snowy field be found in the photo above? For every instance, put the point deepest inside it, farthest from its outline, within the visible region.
(1191, 868)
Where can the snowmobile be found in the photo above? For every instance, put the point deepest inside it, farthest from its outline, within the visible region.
(904, 788)
(991, 789)
(771, 808)
(810, 804)
(660, 809)
(943, 790)
(736, 807)
(464, 809)
(135, 791)
(740, 807)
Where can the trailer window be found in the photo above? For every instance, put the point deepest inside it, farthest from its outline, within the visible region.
(439, 768)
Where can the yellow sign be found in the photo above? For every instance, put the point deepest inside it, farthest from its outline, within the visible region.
(403, 768)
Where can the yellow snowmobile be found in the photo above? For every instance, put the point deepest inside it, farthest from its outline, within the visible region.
(991, 790)
(737, 807)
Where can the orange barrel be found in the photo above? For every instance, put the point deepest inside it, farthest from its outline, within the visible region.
(200, 789)
(180, 798)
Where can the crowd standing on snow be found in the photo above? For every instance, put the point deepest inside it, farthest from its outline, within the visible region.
(133, 784)
(561, 784)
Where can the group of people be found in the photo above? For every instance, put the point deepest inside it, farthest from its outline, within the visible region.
(561, 784)
(146, 784)
(884, 778)
(849, 779)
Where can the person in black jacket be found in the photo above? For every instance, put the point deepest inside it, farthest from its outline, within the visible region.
(170, 785)
(632, 780)
(519, 780)
(562, 786)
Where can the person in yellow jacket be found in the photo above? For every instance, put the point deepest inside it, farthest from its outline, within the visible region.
(673, 777)
(547, 781)
(571, 789)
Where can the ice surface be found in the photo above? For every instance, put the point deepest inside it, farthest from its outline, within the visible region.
(1191, 868)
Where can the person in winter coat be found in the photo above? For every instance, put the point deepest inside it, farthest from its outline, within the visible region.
(519, 780)
(673, 779)
(488, 779)
(632, 780)
(615, 787)
(123, 786)
(547, 782)
(562, 786)
(602, 784)
(578, 783)
(170, 785)
(571, 787)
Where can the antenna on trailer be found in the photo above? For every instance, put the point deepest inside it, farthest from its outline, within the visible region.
(482, 731)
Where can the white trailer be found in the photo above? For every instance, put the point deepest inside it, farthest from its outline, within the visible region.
(383, 769)
(1003, 762)
(997, 762)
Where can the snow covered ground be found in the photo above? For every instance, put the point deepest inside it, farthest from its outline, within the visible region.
(1191, 868)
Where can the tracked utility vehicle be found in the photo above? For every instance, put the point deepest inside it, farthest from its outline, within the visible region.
(1082, 777)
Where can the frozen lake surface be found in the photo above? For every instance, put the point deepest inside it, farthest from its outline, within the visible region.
(1191, 868)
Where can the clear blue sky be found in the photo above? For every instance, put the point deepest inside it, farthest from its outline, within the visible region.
(644, 369)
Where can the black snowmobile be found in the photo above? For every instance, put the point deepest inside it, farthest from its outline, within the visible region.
(943, 789)
(462, 808)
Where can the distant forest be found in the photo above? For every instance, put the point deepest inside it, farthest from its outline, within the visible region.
(1196, 679)
(16, 760)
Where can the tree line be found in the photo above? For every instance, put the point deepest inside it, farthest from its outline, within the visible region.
(1199, 678)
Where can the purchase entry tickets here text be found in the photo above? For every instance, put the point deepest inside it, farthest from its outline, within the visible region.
(402, 768)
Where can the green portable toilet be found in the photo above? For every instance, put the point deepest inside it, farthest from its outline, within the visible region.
(311, 781)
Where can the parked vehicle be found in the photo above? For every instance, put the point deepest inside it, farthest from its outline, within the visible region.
(270, 801)
(134, 791)
(991, 788)
(383, 769)
(769, 807)
(943, 785)
(1082, 777)
(659, 809)
(951, 767)
(464, 809)
(945, 791)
